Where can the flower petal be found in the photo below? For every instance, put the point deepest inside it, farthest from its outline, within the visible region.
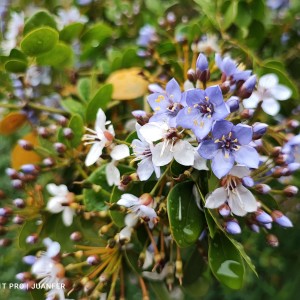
(243, 133)
(113, 175)
(158, 101)
(208, 149)
(270, 106)
(119, 152)
(202, 126)
(281, 92)
(268, 81)
(252, 101)
(194, 96)
(130, 220)
(53, 249)
(247, 156)
(162, 154)
(153, 131)
(100, 121)
(128, 200)
(67, 216)
(57, 190)
(214, 94)
(216, 198)
(54, 204)
(199, 162)
(184, 153)
(173, 90)
(240, 171)
(145, 169)
(94, 153)
(221, 128)
(221, 164)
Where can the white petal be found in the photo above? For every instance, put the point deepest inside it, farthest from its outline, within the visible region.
(270, 106)
(162, 154)
(153, 131)
(57, 190)
(100, 121)
(252, 101)
(240, 171)
(216, 198)
(94, 153)
(199, 162)
(145, 169)
(130, 220)
(268, 81)
(281, 92)
(112, 174)
(119, 152)
(53, 249)
(184, 153)
(43, 265)
(125, 233)
(54, 204)
(128, 200)
(67, 216)
(148, 260)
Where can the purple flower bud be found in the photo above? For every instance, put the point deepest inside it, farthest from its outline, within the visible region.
(262, 217)
(248, 87)
(139, 113)
(76, 236)
(12, 173)
(25, 145)
(202, 63)
(18, 220)
(29, 259)
(224, 210)
(233, 227)
(28, 168)
(276, 151)
(23, 276)
(255, 228)
(60, 147)
(293, 124)
(171, 18)
(17, 183)
(233, 103)
(281, 219)
(43, 132)
(247, 113)
(93, 260)
(259, 129)
(5, 211)
(293, 167)
(272, 240)
(68, 133)
(48, 162)
(32, 239)
(291, 191)
(191, 75)
(248, 181)
(5, 242)
(267, 226)
(19, 203)
(263, 188)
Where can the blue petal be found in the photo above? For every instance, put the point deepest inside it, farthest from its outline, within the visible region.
(221, 111)
(242, 75)
(156, 100)
(202, 63)
(221, 164)
(214, 94)
(208, 149)
(247, 156)
(173, 90)
(186, 116)
(221, 128)
(229, 66)
(203, 127)
(194, 96)
(243, 133)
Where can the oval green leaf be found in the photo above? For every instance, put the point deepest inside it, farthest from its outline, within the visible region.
(15, 66)
(77, 126)
(226, 262)
(40, 19)
(70, 32)
(39, 41)
(186, 220)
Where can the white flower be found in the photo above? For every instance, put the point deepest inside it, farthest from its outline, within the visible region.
(208, 44)
(268, 91)
(37, 75)
(171, 147)
(61, 202)
(69, 16)
(99, 138)
(240, 200)
(143, 152)
(130, 221)
(141, 207)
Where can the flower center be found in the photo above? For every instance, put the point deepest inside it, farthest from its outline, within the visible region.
(228, 143)
(174, 108)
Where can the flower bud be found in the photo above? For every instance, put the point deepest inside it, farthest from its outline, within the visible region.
(262, 217)
(68, 133)
(293, 124)
(281, 159)
(60, 148)
(3, 220)
(103, 278)
(290, 191)
(233, 103)
(171, 18)
(29, 169)
(19, 203)
(18, 220)
(43, 132)
(25, 145)
(29, 259)
(276, 151)
(62, 120)
(233, 227)
(146, 199)
(93, 260)
(76, 236)
(263, 188)
(48, 162)
(191, 75)
(17, 184)
(281, 219)
(247, 181)
(12, 173)
(5, 211)
(224, 210)
(23, 276)
(247, 113)
(89, 286)
(2, 194)
(5, 242)
(225, 87)
(255, 228)
(247, 88)
(32, 239)
(272, 240)
(267, 225)
(259, 129)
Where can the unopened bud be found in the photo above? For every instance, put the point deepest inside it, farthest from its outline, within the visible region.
(146, 199)
(5, 211)
(171, 18)
(233, 227)
(281, 219)
(259, 129)
(281, 159)
(12, 173)
(29, 169)
(233, 103)
(76, 236)
(262, 188)
(267, 225)
(29, 259)
(25, 145)
(247, 113)
(32, 239)
(60, 148)
(19, 203)
(3, 220)
(2, 194)
(93, 260)
(17, 184)
(276, 151)
(248, 181)
(224, 210)
(48, 162)
(89, 286)
(225, 87)
(62, 120)
(43, 132)
(262, 217)
(68, 133)
(191, 75)
(290, 191)
(5, 242)
(255, 228)
(293, 124)
(18, 220)
(272, 240)
(247, 87)
(103, 278)
(23, 276)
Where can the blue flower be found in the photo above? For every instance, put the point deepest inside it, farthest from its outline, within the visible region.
(230, 143)
(147, 36)
(166, 105)
(203, 108)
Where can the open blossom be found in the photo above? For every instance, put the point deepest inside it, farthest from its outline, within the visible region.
(143, 152)
(60, 202)
(204, 107)
(141, 207)
(69, 16)
(230, 143)
(172, 146)
(239, 199)
(166, 104)
(268, 91)
(208, 44)
(147, 36)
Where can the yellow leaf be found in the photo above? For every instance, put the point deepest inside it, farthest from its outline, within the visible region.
(128, 84)
(20, 157)
(12, 122)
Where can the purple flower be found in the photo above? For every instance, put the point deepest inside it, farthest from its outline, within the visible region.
(230, 143)
(147, 36)
(204, 107)
(166, 105)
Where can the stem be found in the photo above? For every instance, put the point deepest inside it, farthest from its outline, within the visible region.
(160, 180)
(144, 289)
(122, 142)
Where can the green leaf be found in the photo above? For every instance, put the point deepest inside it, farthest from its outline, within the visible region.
(40, 19)
(100, 100)
(209, 9)
(59, 56)
(230, 14)
(84, 88)
(39, 41)
(226, 262)
(77, 126)
(70, 32)
(186, 220)
(243, 18)
(28, 228)
(97, 34)
(73, 106)
(15, 66)
(160, 290)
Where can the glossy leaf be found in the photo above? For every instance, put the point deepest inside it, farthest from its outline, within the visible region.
(73, 106)
(100, 100)
(39, 41)
(226, 262)
(230, 14)
(128, 84)
(96, 34)
(12, 122)
(84, 88)
(40, 19)
(15, 66)
(70, 32)
(59, 56)
(77, 126)
(186, 220)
